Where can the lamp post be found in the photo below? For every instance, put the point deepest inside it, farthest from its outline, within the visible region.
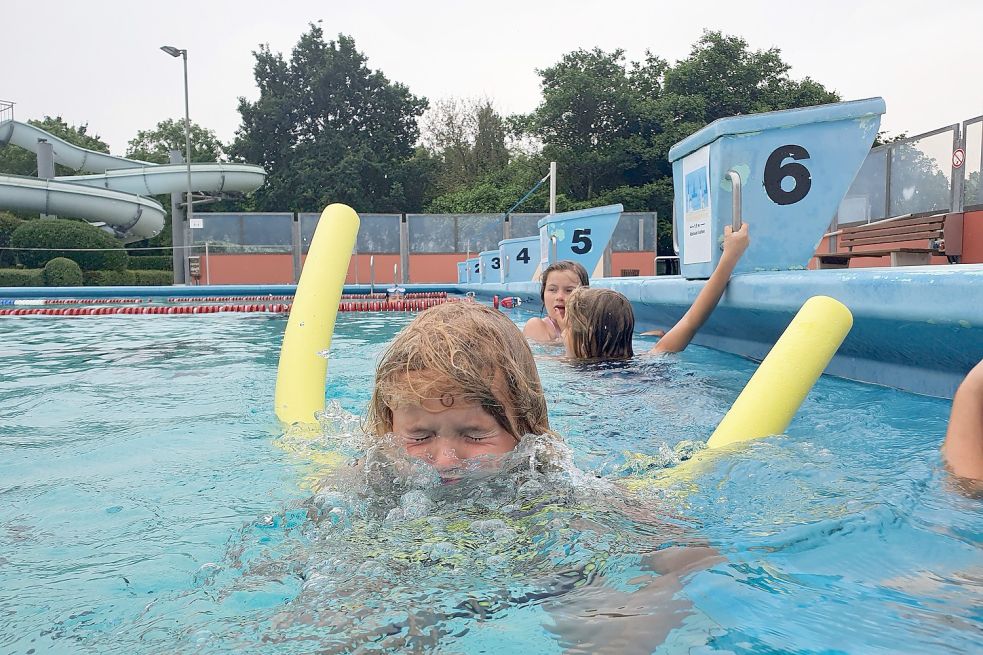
(188, 209)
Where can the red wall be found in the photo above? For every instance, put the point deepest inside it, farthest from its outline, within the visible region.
(973, 237)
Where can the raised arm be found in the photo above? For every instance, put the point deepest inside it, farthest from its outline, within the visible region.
(735, 243)
(963, 446)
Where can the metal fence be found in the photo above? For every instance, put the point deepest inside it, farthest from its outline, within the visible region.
(381, 233)
(938, 171)
(396, 234)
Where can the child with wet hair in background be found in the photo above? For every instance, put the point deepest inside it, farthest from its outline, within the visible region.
(600, 322)
(556, 284)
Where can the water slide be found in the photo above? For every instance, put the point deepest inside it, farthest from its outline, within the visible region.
(114, 193)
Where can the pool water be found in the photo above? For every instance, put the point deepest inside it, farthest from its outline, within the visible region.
(150, 502)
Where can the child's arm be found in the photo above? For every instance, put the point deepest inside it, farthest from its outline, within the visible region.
(735, 243)
(963, 447)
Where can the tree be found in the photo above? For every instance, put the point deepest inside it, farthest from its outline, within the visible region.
(327, 128)
(734, 80)
(609, 124)
(468, 137)
(155, 145)
(17, 161)
(583, 120)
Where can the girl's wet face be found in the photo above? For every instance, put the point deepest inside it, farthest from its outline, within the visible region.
(448, 431)
(559, 285)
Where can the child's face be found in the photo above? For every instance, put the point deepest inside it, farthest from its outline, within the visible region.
(445, 436)
(559, 285)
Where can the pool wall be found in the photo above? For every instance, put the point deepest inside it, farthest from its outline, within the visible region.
(917, 328)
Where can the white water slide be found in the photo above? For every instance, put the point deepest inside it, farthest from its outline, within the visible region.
(114, 195)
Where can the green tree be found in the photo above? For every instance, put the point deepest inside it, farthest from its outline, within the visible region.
(609, 124)
(734, 80)
(17, 161)
(584, 119)
(467, 137)
(155, 145)
(327, 128)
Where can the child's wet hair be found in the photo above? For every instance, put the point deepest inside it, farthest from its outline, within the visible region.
(461, 350)
(563, 265)
(600, 323)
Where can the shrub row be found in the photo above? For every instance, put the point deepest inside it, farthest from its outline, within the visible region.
(150, 263)
(51, 234)
(127, 278)
(8, 223)
(37, 277)
(21, 277)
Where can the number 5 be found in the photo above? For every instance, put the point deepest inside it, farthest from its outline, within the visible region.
(583, 241)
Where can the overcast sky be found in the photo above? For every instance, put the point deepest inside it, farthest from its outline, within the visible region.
(98, 62)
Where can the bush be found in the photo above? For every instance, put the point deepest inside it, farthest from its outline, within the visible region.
(8, 223)
(55, 233)
(62, 272)
(150, 263)
(128, 278)
(153, 278)
(109, 278)
(21, 277)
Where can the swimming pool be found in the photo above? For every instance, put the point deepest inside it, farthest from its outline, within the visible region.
(149, 502)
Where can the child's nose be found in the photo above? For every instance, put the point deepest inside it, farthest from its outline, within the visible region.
(443, 457)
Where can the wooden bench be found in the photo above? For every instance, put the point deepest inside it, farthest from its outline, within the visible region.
(942, 234)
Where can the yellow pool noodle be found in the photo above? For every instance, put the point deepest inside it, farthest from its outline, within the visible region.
(774, 393)
(302, 371)
(777, 389)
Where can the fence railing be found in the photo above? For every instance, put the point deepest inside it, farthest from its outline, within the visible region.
(396, 234)
(938, 171)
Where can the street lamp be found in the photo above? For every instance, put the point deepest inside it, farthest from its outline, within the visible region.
(180, 52)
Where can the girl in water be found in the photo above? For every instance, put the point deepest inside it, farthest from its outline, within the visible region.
(556, 284)
(600, 322)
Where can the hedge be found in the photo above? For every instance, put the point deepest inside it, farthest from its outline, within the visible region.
(55, 233)
(128, 278)
(8, 223)
(21, 277)
(151, 263)
(109, 278)
(154, 278)
(62, 272)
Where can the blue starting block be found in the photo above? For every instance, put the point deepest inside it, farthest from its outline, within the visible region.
(462, 272)
(793, 168)
(490, 266)
(581, 236)
(519, 259)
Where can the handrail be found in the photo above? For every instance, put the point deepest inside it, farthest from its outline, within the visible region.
(735, 181)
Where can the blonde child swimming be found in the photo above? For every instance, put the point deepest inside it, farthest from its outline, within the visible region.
(458, 383)
(556, 284)
(600, 322)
